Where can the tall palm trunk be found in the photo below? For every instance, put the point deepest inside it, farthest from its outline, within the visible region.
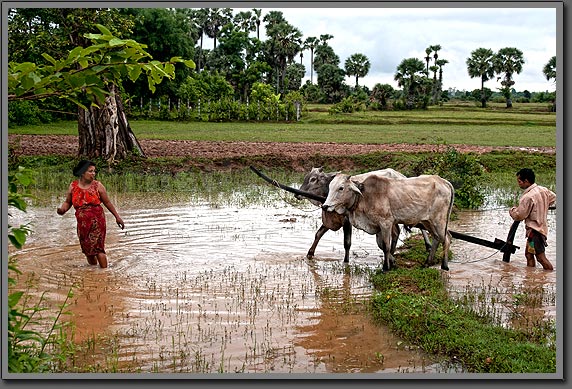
(105, 132)
(483, 98)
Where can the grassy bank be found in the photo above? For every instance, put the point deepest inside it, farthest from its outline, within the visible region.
(415, 304)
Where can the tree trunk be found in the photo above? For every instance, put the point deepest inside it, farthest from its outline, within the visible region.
(105, 132)
(483, 98)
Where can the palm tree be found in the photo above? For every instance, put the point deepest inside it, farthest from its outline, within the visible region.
(273, 18)
(481, 64)
(357, 65)
(324, 38)
(382, 92)
(549, 69)
(440, 63)
(200, 19)
(217, 18)
(243, 20)
(285, 42)
(410, 74)
(509, 61)
(428, 51)
(311, 43)
(257, 13)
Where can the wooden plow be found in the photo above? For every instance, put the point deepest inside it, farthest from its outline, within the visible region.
(506, 247)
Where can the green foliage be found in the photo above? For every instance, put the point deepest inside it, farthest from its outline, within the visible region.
(349, 104)
(415, 304)
(85, 71)
(25, 112)
(312, 93)
(463, 170)
(205, 86)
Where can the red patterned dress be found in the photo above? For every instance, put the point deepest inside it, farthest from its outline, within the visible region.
(91, 227)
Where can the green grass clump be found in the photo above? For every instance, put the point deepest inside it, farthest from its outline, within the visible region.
(415, 304)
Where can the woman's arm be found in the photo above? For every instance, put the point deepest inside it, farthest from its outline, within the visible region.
(66, 205)
(109, 205)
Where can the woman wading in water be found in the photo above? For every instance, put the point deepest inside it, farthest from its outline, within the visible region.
(86, 194)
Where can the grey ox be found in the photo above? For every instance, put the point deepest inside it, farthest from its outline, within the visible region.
(376, 204)
(318, 182)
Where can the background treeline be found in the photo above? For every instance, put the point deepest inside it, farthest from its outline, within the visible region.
(243, 76)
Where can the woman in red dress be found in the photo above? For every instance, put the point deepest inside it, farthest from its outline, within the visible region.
(86, 194)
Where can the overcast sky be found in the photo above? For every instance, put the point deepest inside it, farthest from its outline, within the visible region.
(389, 35)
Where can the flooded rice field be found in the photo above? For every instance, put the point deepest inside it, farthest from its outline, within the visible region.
(194, 287)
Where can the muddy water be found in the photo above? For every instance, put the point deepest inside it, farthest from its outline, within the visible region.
(193, 288)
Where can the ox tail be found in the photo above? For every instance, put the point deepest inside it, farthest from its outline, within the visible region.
(450, 208)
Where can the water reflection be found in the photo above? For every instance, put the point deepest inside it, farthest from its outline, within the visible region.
(195, 288)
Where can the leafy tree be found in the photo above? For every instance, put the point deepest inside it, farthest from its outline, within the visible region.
(294, 74)
(357, 65)
(381, 93)
(56, 31)
(481, 64)
(167, 33)
(311, 92)
(330, 81)
(88, 76)
(508, 60)
(477, 94)
(205, 86)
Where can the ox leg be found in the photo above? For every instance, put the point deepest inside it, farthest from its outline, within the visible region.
(432, 252)
(384, 244)
(446, 244)
(323, 229)
(426, 239)
(347, 227)
(394, 237)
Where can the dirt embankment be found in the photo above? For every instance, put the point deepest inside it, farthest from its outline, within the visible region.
(224, 154)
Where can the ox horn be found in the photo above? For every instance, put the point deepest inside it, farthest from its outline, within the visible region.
(308, 195)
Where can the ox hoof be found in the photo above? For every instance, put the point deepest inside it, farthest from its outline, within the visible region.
(445, 268)
(310, 256)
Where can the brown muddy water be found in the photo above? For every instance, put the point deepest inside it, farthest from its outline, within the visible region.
(194, 287)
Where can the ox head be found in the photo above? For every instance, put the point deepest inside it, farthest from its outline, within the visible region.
(343, 194)
(316, 182)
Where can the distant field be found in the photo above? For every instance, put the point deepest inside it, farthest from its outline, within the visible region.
(526, 125)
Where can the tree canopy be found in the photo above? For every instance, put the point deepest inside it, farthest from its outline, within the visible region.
(84, 72)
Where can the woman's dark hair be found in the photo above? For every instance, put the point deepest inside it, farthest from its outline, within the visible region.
(526, 174)
(81, 167)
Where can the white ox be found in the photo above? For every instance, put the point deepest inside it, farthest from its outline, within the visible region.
(376, 203)
(317, 182)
